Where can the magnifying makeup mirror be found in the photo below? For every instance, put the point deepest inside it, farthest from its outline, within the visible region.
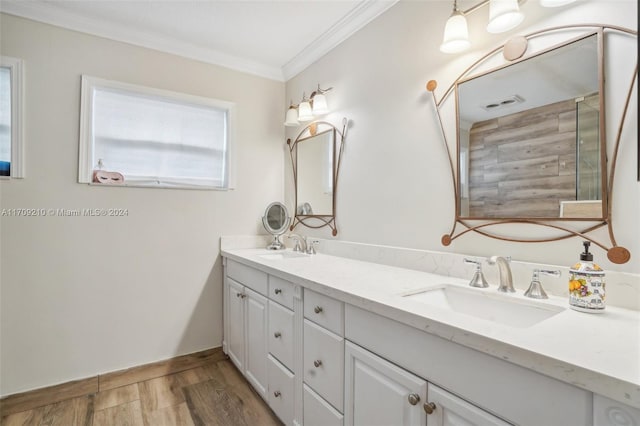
(275, 221)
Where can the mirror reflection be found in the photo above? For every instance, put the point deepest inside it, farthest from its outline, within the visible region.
(530, 143)
(314, 190)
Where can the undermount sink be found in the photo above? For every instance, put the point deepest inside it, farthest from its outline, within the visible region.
(282, 255)
(481, 304)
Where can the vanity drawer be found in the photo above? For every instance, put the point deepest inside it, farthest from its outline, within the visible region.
(324, 311)
(324, 363)
(281, 291)
(281, 394)
(252, 278)
(318, 412)
(281, 333)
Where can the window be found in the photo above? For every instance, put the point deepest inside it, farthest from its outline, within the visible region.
(11, 148)
(154, 137)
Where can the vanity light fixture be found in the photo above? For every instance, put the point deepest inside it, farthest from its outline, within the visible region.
(504, 15)
(307, 109)
(456, 32)
(291, 119)
(304, 109)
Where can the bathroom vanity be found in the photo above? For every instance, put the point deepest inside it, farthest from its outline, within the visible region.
(329, 340)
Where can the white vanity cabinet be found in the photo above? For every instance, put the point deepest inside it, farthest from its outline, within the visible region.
(246, 317)
(263, 335)
(498, 389)
(446, 409)
(285, 337)
(323, 360)
(380, 393)
(319, 361)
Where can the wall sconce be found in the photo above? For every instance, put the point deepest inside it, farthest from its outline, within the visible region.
(504, 15)
(315, 105)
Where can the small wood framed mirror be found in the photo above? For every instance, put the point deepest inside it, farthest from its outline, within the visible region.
(315, 157)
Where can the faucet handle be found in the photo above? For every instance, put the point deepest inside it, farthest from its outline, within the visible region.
(297, 240)
(478, 279)
(311, 246)
(553, 272)
(535, 290)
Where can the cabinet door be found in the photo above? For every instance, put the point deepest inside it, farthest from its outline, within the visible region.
(256, 331)
(235, 318)
(449, 410)
(380, 393)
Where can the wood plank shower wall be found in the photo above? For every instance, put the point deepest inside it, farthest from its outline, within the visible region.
(523, 164)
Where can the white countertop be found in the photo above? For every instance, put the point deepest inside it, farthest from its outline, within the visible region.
(596, 352)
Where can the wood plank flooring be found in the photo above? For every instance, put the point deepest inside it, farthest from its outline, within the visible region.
(208, 395)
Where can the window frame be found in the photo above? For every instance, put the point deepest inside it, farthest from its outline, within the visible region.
(86, 140)
(16, 70)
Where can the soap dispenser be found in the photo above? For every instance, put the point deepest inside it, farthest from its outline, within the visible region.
(586, 284)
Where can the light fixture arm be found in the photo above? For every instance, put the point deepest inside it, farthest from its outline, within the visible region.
(479, 5)
(319, 91)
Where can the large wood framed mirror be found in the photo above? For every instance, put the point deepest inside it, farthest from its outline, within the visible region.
(315, 158)
(530, 133)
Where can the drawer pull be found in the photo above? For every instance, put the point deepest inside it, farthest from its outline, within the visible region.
(277, 291)
(240, 295)
(317, 309)
(414, 398)
(276, 394)
(429, 407)
(317, 363)
(277, 334)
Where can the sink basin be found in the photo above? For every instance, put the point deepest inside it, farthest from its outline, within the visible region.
(282, 255)
(493, 307)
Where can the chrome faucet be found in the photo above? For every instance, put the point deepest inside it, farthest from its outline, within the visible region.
(506, 279)
(301, 243)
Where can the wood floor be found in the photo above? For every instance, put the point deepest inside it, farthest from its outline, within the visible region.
(213, 394)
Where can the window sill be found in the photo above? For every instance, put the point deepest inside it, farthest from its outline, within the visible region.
(160, 186)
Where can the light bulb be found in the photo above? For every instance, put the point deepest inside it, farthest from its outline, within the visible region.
(456, 34)
(504, 15)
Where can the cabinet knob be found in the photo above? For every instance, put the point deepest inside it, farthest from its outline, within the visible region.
(240, 295)
(429, 407)
(277, 291)
(277, 334)
(317, 363)
(414, 398)
(317, 309)
(276, 394)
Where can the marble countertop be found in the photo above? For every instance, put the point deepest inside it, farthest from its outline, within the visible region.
(596, 352)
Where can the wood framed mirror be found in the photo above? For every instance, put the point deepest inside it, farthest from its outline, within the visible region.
(315, 158)
(530, 137)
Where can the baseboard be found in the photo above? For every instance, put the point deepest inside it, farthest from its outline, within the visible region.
(51, 394)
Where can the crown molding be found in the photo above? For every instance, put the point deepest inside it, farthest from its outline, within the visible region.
(49, 14)
(358, 17)
(365, 12)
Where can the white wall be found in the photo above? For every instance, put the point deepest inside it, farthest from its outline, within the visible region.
(395, 185)
(85, 295)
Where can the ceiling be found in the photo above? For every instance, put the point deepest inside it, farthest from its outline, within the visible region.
(272, 38)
